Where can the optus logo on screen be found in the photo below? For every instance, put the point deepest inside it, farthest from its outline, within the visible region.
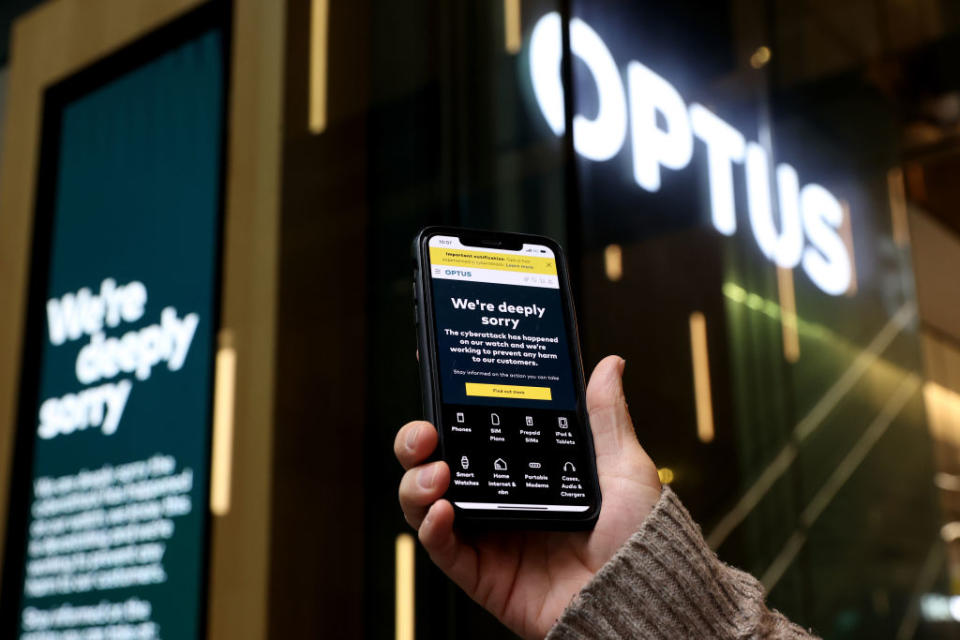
(811, 212)
(86, 314)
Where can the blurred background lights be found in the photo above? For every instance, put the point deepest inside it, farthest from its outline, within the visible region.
(950, 531)
(937, 607)
(512, 26)
(760, 57)
(701, 376)
(613, 262)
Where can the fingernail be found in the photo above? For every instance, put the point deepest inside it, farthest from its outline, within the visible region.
(426, 477)
(623, 364)
(412, 437)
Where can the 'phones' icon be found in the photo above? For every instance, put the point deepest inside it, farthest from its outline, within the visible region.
(460, 416)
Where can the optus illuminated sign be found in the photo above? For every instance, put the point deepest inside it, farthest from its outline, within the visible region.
(809, 213)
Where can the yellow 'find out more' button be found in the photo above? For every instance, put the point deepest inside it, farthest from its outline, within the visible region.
(508, 391)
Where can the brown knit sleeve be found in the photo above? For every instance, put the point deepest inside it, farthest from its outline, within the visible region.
(665, 582)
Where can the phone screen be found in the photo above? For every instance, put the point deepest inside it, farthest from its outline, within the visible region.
(510, 411)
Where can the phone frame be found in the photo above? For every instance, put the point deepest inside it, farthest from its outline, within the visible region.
(430, 379)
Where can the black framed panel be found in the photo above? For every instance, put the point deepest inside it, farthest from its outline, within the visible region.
(108, 519)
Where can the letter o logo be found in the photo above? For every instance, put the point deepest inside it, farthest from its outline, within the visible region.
(598, 139)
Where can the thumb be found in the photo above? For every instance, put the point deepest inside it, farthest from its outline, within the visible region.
(609, 418)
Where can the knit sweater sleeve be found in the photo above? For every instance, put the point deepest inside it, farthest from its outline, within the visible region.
(666, 583)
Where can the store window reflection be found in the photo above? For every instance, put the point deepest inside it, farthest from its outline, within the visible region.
(737, 204)
(738, 191)
(818, 476)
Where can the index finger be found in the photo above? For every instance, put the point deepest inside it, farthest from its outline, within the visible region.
(414, 443)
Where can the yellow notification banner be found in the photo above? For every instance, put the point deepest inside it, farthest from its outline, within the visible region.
(514, 391)
(441, 256)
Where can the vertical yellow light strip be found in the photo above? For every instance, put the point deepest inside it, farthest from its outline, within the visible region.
(512, 27)
(788, 314)
(701, 376)
(613, 262)
(221, 467)
(405, 556)
(898, 207)
(319, 32)
(943, 413)
(846, 234)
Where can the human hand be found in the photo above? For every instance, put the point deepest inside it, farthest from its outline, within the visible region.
(527, 578)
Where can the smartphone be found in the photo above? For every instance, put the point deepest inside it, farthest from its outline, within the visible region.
(502, 378)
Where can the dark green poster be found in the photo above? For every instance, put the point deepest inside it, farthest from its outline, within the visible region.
(116, 518)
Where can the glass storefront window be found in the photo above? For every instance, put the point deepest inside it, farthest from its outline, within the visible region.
(728, 211)
(758, 202)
